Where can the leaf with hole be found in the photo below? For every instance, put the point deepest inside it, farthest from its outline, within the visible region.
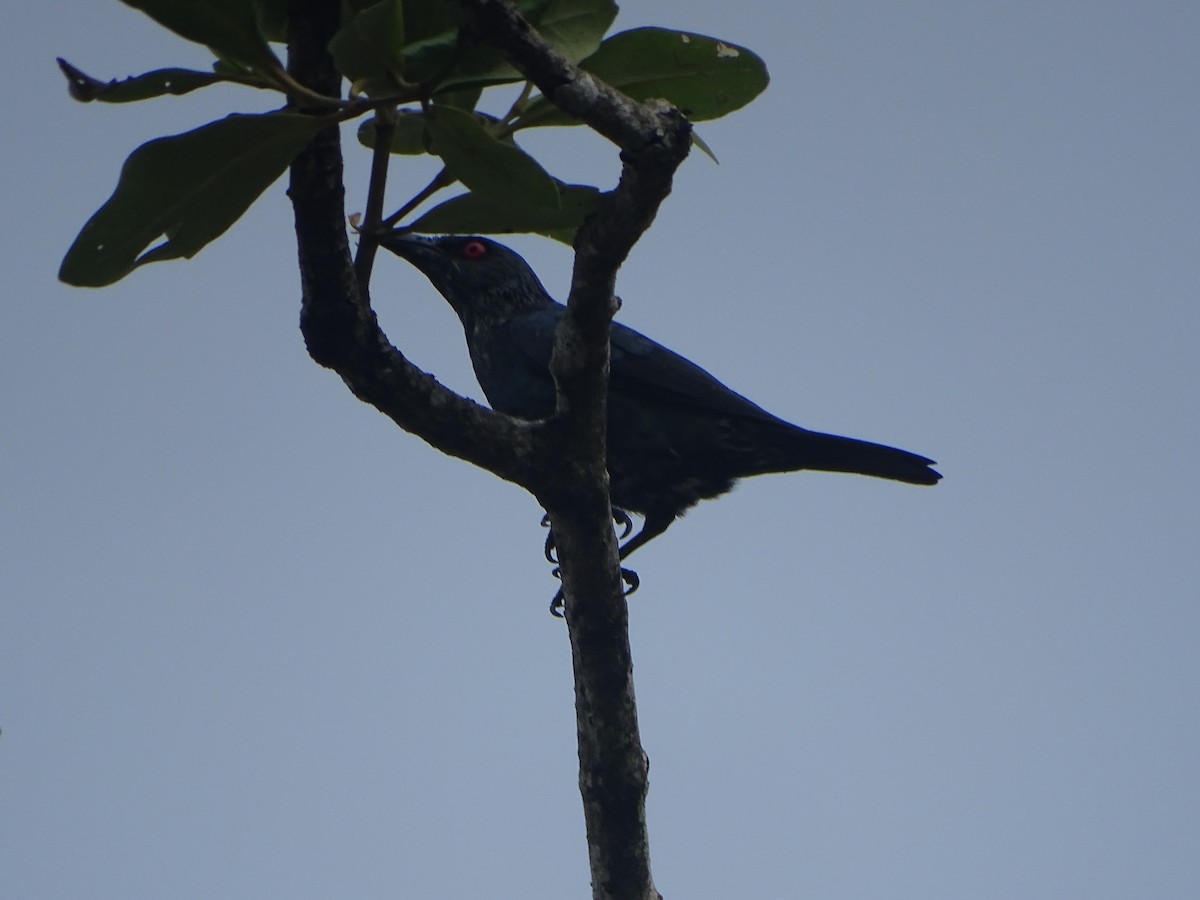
(85, 88)
(704, 77)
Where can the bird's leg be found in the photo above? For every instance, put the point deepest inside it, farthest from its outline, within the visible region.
(623, 521)
(630, 577)
(620, 517)
(550, 548)
(653, 525)
(558, 605)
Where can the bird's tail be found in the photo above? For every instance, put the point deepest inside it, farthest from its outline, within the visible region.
(831, 453)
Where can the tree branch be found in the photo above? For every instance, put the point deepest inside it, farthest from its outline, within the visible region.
(340, 329)
(561, 460)
(613, 774)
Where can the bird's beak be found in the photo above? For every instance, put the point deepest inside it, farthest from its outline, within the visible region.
(413, 247)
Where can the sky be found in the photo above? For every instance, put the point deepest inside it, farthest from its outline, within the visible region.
(257, 642)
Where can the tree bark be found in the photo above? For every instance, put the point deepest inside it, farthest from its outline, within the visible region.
(560, 460)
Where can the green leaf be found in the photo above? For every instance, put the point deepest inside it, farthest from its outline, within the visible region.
(576, 27)
(704, 77)
(228, 27)
(462, 98)
(425, 18)
(573, 27)
(368, 48)
(189, 188)
(85, 88)
(475, 214)
(426, 55)
(496, 169)
(562, 235)
(272, 19)
(408, 136)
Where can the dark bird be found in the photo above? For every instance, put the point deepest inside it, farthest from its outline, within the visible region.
(676, 435)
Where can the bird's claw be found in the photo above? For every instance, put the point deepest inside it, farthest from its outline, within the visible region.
(550, 548)
(630, 577)
(621, 518)
(623, 521)
(558, 606)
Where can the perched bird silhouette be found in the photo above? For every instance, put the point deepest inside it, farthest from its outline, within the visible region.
(676, 435)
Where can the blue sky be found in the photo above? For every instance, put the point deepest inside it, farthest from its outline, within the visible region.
(255, 641)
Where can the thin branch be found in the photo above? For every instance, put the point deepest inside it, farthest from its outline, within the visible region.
(625, 122)
(340, 329)
(442, 179)
(515, 109)
(297, 91)
(368, 242)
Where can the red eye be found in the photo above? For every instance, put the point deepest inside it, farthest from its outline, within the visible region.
(474, 250)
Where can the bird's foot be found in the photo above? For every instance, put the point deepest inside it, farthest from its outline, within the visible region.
(620, 518)
(558, 606)
(631, 579)
(550, 548)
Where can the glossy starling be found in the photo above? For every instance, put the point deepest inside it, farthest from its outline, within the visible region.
(676, 435)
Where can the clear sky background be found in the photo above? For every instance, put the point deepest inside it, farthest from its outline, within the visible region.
(257, 642)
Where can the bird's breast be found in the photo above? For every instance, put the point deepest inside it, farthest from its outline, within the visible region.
(513, 383)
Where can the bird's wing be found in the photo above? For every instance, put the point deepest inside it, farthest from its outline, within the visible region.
(642, 368)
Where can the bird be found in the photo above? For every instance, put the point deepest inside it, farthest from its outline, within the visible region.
(676, 435)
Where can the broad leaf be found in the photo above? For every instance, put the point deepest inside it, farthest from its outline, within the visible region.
(228, 27)
(188, 188)
(424, 19)
(272, 19)
(476, 214)
(575, 28)
(704, 77)
(483, 65)
(409, 136)
(368, 48)
(464, 98)
(85, 88)
(488, 166)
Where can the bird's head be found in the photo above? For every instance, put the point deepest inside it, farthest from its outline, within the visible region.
(481, 279)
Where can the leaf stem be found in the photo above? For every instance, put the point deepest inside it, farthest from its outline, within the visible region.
(293, 88)
(364, 259)
(442, 179)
